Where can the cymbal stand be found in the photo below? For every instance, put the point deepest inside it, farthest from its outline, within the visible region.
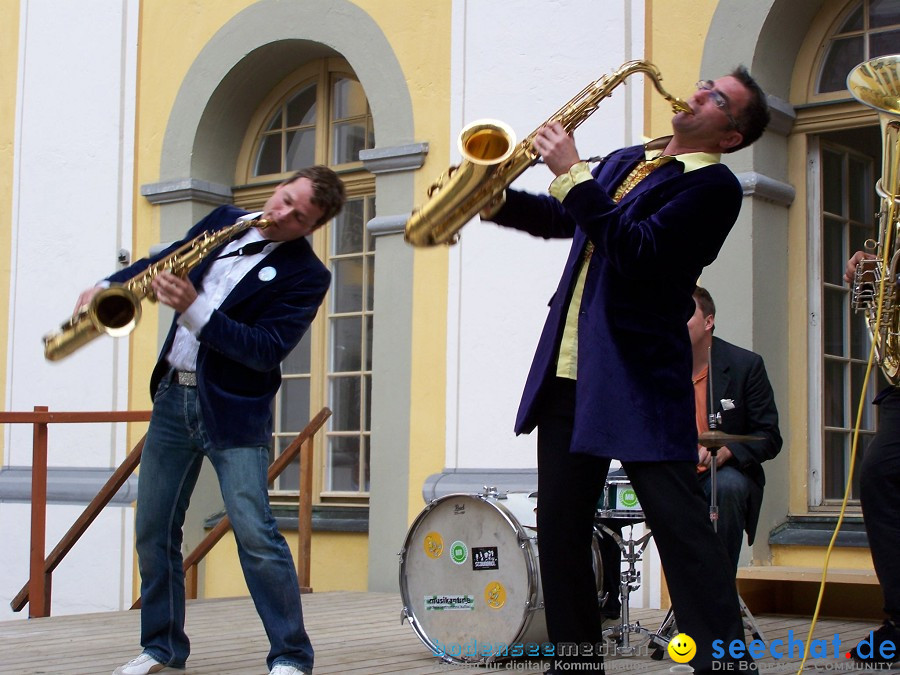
(632, 550)
(666, 629)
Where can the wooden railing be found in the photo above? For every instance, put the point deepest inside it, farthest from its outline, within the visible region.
(37, 591)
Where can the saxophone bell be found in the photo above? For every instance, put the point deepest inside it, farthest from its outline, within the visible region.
(491, 160)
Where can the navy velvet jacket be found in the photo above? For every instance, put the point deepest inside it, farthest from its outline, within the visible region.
(248, 336)
(634, 398)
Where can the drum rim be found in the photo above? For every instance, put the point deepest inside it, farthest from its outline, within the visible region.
(531, 563)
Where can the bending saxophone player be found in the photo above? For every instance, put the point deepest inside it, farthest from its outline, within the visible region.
(238, 315)
(611, 377)
(879, 495)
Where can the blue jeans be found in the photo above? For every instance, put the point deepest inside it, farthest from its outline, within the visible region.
(173, 453)
(733, 500)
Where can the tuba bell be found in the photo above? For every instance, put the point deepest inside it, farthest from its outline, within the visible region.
(876, 83)
(492, 160)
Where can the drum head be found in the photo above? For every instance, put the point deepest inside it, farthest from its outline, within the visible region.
(469, 578)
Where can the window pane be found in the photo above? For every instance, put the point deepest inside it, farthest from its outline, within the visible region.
(290, 477)
(294, 404)
(884, 13)
(370, 210)
(833, 257)
(834, 463)
(843, 55)
(370, 287)
(368, 458)
(859, 337)
(347, 285)
(369, 342)
(833, 320)
(860, 187)
(348, 99)
(275, 124)
(854, 21)
(297, 362)
(343, 463)
(833, 411)
(347, 232)
(857, 375)
(882, 44)
(302, 108)
(345, 402)
(269, 158)
(833, 182)
(301, 149)
(349, 138)
(368, 382)
(346, 337)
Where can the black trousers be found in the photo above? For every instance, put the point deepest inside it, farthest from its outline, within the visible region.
(880, 498)
(698, 571)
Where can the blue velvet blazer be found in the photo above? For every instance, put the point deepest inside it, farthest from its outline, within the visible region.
(634, 397)
(248, 336)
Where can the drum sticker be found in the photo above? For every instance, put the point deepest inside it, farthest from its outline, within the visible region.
(485, 558)
(627, 498)
(449, 602)
(459, 552)
(434, 545)
(495, 595)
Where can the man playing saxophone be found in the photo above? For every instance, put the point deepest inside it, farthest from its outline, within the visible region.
(239, 313)
(611, 377)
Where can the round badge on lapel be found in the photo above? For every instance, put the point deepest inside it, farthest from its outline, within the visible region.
(266, 274)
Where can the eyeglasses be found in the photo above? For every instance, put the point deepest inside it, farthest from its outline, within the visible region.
(718, 99)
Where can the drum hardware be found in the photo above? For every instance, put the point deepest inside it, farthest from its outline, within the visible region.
(632, 550)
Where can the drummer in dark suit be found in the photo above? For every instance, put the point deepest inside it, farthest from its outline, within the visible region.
(745, 404)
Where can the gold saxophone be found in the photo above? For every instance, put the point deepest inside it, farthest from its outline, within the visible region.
(876, 83)
(492, 160)
(116, 310)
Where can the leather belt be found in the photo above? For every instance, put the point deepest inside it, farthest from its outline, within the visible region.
(186, 378)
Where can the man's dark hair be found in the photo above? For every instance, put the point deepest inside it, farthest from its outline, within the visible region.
(328, 190)
(753, 119)
(704, 301)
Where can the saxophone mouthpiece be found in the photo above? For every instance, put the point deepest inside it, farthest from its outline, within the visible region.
(261, 223)
(680, 106)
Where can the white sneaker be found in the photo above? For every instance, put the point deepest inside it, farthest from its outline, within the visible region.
(142, 665)
(285, 669)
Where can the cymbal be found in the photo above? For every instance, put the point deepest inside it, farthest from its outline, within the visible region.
(717, 439)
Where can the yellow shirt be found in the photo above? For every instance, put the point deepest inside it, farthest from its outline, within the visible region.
(567, 360)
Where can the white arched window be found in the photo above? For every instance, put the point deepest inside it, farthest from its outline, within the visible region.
(320, 115)
(845, 160)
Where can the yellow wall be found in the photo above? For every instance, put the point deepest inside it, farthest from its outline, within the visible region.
(338, 564)
(675, 34)
(9, 65)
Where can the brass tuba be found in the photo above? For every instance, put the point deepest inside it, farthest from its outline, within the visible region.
(492, 160)
(116, 310)
(876, 83)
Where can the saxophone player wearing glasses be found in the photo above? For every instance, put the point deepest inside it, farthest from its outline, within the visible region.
(611, 377)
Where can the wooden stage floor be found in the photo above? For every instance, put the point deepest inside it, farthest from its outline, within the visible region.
(353, 633)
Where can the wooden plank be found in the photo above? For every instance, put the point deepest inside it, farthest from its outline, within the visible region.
(353, 633)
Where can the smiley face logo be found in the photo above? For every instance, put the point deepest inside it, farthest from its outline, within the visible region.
(682, 648)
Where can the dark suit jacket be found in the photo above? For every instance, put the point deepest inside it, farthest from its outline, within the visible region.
(740, 376)
(248, 336)
(634, 398)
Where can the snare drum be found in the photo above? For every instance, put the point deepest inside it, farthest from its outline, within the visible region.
(619, 499)
(470, 582)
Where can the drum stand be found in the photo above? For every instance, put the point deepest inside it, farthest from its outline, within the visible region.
(630, 581)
